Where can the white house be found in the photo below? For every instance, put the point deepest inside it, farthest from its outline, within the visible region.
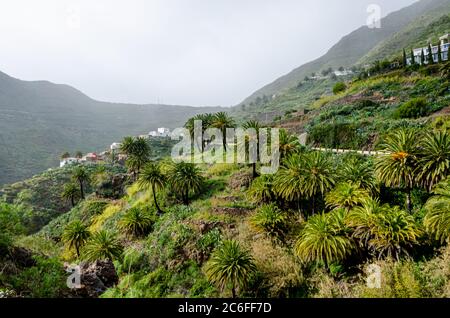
(115, 146)
(444, 44)
(160, 132)
(68, 161)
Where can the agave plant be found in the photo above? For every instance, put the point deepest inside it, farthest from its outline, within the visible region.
(346, 195)
(437, 219)
(269, 219)
(230, 266)
(324, 238)
(103, 245)
(137, 222)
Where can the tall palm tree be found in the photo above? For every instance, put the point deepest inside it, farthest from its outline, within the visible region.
(434, 158)
(253, 124)
(153, 177)
(397, 167)
(81, 176)
(289, 144)
(138, 152)
(383, 230)
(222, 121)
(76, 234)
(324, 238)
(103, 245)
(437, 219)
(71, 193)
(346, 195)
(206, 120)
(185, 178)
(230, 265)
(289, 180)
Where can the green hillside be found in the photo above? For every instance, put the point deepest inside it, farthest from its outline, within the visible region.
(40, 120)
(400, 29)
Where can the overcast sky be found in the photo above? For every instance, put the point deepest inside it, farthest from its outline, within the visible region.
(189, 52)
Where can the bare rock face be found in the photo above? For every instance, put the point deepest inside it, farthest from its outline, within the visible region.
(96, 278)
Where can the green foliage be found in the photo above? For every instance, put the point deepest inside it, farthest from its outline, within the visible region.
(103, 245)
(230, 266)
(185, 178)
(385, 231)
(339, 88)
(271, 220)
(346, 196)
(137, 222)
(437, 219)
(261, 189)
(47, 279)
(415, 108)
(75, 235)
(324, 239)
(152, 177)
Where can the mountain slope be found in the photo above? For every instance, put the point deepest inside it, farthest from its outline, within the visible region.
(353, 47)
(40, 120)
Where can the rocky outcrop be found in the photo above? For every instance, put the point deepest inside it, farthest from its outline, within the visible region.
(95, 278)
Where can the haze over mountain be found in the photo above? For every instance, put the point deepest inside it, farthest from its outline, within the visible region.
(40, 120)
(398, 30)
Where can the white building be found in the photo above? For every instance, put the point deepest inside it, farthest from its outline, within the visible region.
(161, 132)
(115, 146)
(434, 51)
(68, 161)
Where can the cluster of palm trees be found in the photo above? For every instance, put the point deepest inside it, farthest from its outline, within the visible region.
(102, 245)
(138, 152)
(355, 221)
(76, 189)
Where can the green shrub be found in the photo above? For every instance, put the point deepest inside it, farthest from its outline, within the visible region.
(339, 88)
(271, 220)
(137, 222)
(415, 108)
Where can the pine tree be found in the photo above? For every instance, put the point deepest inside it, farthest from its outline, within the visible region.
(404, 58)
(439, 53)
(430, 55)
(413, 59)
(422, 58)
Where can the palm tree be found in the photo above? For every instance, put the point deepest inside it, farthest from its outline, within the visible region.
(324, 238)
(206, 120)
(78, 155)
(76, 234)
(253, 124)
(70, 193)
(437, 219)
(289, 180)
(289, 144)
(346, 195)
(261, 190)
(81, 176)
(359, 172)
(65, 155)
(384, 230)
(153, 177)
(184, 178)
(397, 167)
(230, 265)
(138, 152)
(136, 222)
(103, 245)
(222, 121)
(271, 220)
(434, 158)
